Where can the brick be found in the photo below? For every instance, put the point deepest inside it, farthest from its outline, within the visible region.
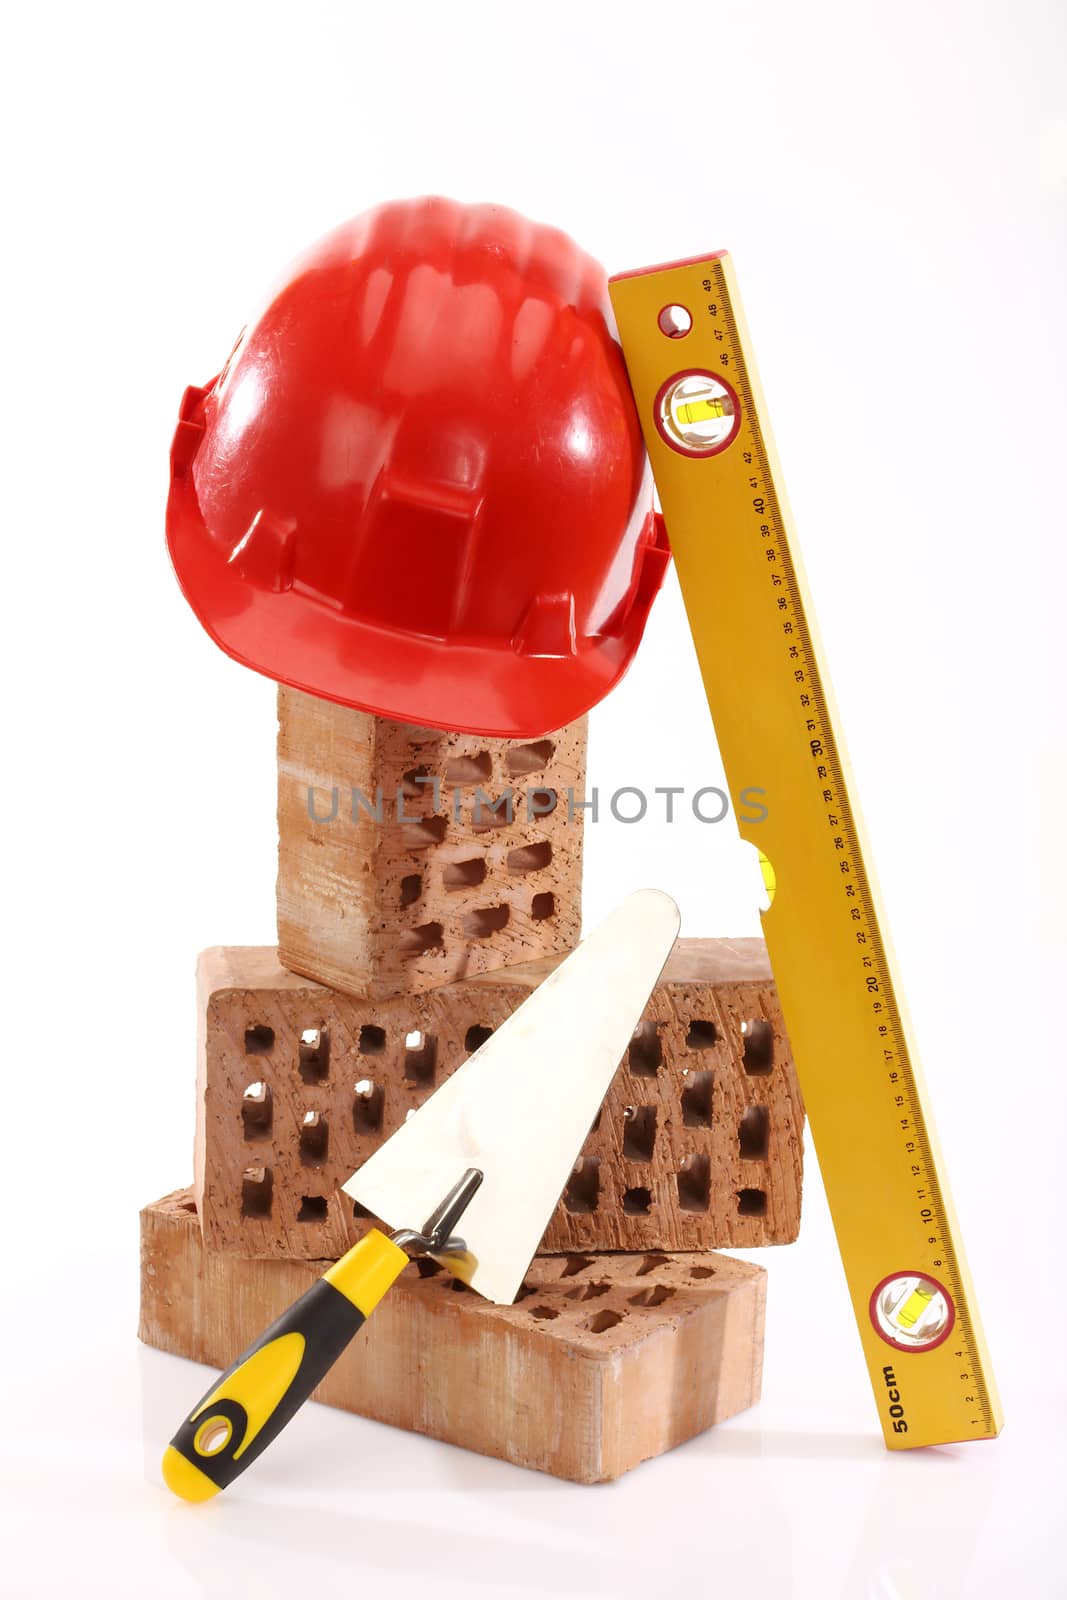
(442, 886)
(602, 1363)
(698, 1144)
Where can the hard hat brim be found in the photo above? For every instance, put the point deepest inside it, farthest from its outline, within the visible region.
(463, 687)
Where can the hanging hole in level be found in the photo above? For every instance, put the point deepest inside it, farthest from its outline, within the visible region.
(675, 321)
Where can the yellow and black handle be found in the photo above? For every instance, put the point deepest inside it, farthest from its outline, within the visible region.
(254, 1399)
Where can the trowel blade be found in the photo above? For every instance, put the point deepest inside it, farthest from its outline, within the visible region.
(520, 1108)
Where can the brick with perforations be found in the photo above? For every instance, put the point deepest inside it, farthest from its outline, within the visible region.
(698, 1144)
(409, 858)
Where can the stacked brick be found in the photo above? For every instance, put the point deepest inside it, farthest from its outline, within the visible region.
(427, 883)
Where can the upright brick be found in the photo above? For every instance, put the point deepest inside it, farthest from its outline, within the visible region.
(698, 1144)
(410, 858)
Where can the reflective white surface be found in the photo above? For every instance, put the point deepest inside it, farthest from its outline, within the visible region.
(797, 1497)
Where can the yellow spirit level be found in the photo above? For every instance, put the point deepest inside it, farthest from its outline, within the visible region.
(705, 425)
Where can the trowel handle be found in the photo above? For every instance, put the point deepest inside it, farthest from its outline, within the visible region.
(254, 1399)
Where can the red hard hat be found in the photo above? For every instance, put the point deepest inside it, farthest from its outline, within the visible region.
(418, 485)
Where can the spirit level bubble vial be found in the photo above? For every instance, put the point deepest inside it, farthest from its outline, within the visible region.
(719, 480)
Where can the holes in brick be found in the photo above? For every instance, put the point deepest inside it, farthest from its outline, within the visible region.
(751, 1203)
(416, 941)
(637, 1202)
(259, 1040)
(582, 1193)
(469, 769)
(702, 1272)
(589, 1291)
(526, 758)
(639, 1133)
(420, 1057)
(257, 1111)
(542, 906)
(758, 1058)
(484, 923)
(475, 1037)
(646, 1050)
(427, 1267)
(188, 1205)
(651, 1263)
(544, 1313)
(459, 1286)
(371, 1040)
(463, 874)
(694, 1183)
(754, 1132)
(541, 803)
(701, 1036)
(421, 835)
(525, 1291)
(529, 857)
(696, 1100)
(410, 889)
(361, 1213)
(257, 1186)
(313, 1208)
(314, 1139)
(488, 813)
(604, 1320)
(417, 782)
(314, 1055)
(652, 1297)
(368, 1106)
(576, 1264)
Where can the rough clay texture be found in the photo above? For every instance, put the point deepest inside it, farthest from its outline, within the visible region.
(444, 885)
(698, 1143)
(602, 1363)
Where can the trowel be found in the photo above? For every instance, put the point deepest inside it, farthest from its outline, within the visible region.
(484, 1160)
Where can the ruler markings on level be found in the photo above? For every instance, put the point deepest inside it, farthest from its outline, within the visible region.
(930, 1378)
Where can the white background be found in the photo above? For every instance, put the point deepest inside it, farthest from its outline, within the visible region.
(891, 182)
